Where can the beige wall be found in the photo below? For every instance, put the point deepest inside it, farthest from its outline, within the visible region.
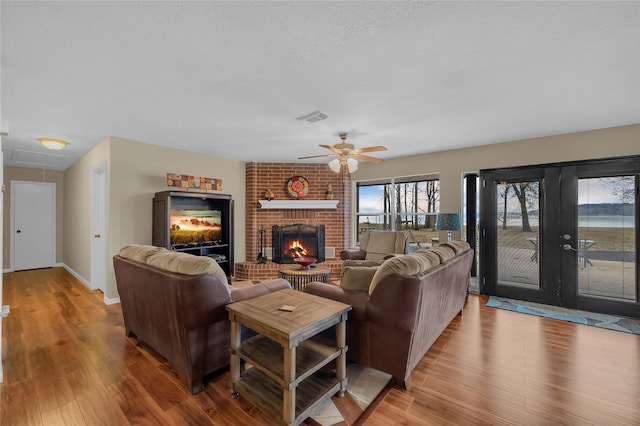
(135, 171)
(452, 165)
(77, 208)
(31, 175)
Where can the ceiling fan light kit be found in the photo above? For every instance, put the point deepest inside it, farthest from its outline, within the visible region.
(348, 156)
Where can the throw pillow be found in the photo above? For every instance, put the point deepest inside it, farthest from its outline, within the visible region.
(357, 278)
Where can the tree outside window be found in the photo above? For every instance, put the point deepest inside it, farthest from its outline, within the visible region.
(408, 205)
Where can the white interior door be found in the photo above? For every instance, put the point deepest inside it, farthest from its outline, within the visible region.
(33, 229)
(98, 227)
(1, 254)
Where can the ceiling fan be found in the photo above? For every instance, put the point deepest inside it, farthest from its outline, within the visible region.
(348, 155)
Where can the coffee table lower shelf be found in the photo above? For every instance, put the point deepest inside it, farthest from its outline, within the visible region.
(265, 393)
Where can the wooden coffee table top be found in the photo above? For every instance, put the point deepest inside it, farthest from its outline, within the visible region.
(312, 315)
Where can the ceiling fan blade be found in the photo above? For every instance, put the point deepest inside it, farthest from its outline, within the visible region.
(372, 149)
(334, 149)
(316, 156)
(367, 158)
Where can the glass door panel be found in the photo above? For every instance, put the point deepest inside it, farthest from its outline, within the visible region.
(518, 234)
(607, 237)
(518, 258)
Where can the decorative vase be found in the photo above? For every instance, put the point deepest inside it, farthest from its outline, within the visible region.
(329, 193)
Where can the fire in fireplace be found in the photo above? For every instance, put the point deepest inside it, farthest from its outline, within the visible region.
(297, 240)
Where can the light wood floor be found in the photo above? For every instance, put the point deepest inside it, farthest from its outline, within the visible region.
(67, 362)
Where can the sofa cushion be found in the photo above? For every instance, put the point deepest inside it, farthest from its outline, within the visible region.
(187, 264)
(457, 246)
(139, 253)
(407, 264)
(428, 253)
(357, 278)
(370, 262)
(380, 244)
(444, 252)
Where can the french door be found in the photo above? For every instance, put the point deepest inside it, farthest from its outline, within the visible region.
(563, 234)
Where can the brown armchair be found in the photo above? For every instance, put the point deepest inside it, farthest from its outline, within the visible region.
(376, 245)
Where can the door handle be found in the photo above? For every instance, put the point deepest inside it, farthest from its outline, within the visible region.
(18, 231)
(568, 247)
(96, 236)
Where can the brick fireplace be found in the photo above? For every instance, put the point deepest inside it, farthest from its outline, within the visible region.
(274, 176)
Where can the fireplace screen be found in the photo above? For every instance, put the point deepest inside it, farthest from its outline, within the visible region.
(297, 240)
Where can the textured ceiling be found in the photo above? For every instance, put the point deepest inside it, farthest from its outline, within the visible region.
(230, 78)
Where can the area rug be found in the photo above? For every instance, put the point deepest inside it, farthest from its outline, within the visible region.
(366, 387)
(610, 322)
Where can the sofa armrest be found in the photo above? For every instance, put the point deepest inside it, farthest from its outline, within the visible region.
(204, 302)
(352, 254)
(251, 291)
(357, 299)
(394, 302)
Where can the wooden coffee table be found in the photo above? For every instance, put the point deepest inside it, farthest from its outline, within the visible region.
(287, 355)
(299, 277)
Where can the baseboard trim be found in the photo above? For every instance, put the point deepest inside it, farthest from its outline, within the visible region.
(111, 300)
(77, 275)
(107, 300)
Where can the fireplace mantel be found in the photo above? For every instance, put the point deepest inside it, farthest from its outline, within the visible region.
(299, 204)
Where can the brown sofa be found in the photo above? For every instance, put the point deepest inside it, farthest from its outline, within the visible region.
(402, 306)
(175, 303)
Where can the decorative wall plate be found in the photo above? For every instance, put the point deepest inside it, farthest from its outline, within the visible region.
(298, 187)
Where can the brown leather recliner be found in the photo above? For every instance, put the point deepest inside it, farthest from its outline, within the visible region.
(378, 245)
(401, 307)
(175, 303)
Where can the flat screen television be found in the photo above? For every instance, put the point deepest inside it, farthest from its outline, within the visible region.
(195, 226)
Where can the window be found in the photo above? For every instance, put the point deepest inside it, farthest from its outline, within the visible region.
(399, 204)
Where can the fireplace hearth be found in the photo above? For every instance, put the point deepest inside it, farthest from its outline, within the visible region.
(297, 240)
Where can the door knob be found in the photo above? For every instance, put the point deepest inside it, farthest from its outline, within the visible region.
(568, 247)
(96, 236)
(18, 231)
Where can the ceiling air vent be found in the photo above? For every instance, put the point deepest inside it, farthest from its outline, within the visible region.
(313, 117)
(36, 158)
